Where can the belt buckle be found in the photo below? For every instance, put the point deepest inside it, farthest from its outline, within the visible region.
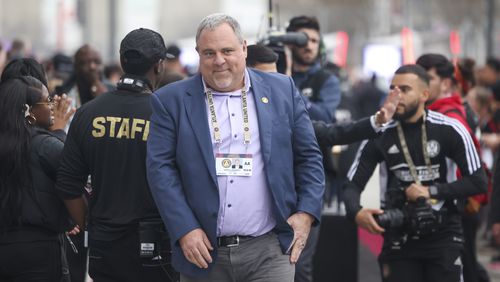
(236, 244)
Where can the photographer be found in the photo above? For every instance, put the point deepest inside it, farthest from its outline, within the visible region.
(320, 90)
(423, 233)
(107, 139)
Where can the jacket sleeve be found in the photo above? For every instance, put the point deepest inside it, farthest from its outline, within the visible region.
(336, 134)
(366, 160)
(73, 172)
(61, 134)
(328, 101)
(163, 175)
(462, 151)
(308, 166)
(49, 153)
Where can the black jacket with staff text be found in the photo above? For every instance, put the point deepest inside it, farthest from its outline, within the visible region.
(107, 140)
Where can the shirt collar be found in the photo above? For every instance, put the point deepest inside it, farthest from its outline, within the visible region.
(233, 93)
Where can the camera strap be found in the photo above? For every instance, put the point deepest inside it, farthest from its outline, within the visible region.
(406, 152)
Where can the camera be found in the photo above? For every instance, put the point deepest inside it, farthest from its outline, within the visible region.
(277, 40)
(415, 218)
(290, 38)
(412, 218)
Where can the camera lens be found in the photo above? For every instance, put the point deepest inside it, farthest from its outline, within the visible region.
(390, 218)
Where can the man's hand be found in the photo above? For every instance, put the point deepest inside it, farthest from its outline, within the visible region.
(364, 219)
(74, 231)
(62, 112)
(301, 224)
(414, 191)
(196, 246)
(389, 107)
(495, 232)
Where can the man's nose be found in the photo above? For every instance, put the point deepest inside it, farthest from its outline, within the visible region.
(219, 59)
(93, 65)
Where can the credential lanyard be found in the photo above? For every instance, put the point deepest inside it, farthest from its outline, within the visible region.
(406, 152)
(215, 124)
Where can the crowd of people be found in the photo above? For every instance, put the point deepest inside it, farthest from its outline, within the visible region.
(139, 171)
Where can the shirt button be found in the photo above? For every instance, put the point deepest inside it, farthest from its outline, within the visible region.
(229, 205)
(232, 114)
(236, 136)
(231, 181)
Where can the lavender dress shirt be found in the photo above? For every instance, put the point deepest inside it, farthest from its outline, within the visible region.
(245, 202)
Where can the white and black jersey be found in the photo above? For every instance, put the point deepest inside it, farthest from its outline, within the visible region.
(449, 146)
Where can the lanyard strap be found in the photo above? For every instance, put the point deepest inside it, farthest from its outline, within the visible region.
(406, 152)
(215, 124)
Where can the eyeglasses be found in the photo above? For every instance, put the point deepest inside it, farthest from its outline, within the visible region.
(49, 102)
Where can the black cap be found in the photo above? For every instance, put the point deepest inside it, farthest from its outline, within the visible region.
(143, 44)
(260, 54)
(173, 51)
(62, 63)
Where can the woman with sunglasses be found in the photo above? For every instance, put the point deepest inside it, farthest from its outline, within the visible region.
(31, 214)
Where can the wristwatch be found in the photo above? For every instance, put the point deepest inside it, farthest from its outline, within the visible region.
(433, 191)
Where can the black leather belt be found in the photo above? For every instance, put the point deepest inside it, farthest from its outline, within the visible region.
(231, 241)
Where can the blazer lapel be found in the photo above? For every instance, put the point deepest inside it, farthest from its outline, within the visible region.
(196, 112)
(261, 93)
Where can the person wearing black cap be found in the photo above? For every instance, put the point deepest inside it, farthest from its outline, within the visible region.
(321, 91)
(262, 58)
(173, 62)
(107, 140)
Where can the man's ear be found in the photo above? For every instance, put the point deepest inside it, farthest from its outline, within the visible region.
(424, 96)
(245, 48)
(158, 67)
(446, 85)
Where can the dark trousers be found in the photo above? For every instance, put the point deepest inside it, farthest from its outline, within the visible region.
(119, 261)
(473, 271)
(38, 261)
(440, 265)
(77, 261)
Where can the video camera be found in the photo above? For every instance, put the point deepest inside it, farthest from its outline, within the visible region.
(409, 218)
(289, 38)
(277, 41)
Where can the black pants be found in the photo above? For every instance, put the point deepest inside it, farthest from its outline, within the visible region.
(77, 261)
(439, 265)
(473, 270)
(38, 261)
(119, 261)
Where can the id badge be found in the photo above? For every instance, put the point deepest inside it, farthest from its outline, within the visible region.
(233, 164)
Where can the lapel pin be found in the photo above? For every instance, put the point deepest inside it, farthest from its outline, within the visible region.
(264, 100)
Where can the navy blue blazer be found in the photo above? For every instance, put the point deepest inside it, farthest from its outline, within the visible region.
(181, 164)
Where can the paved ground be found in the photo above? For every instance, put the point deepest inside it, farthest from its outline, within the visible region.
(485, 252)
